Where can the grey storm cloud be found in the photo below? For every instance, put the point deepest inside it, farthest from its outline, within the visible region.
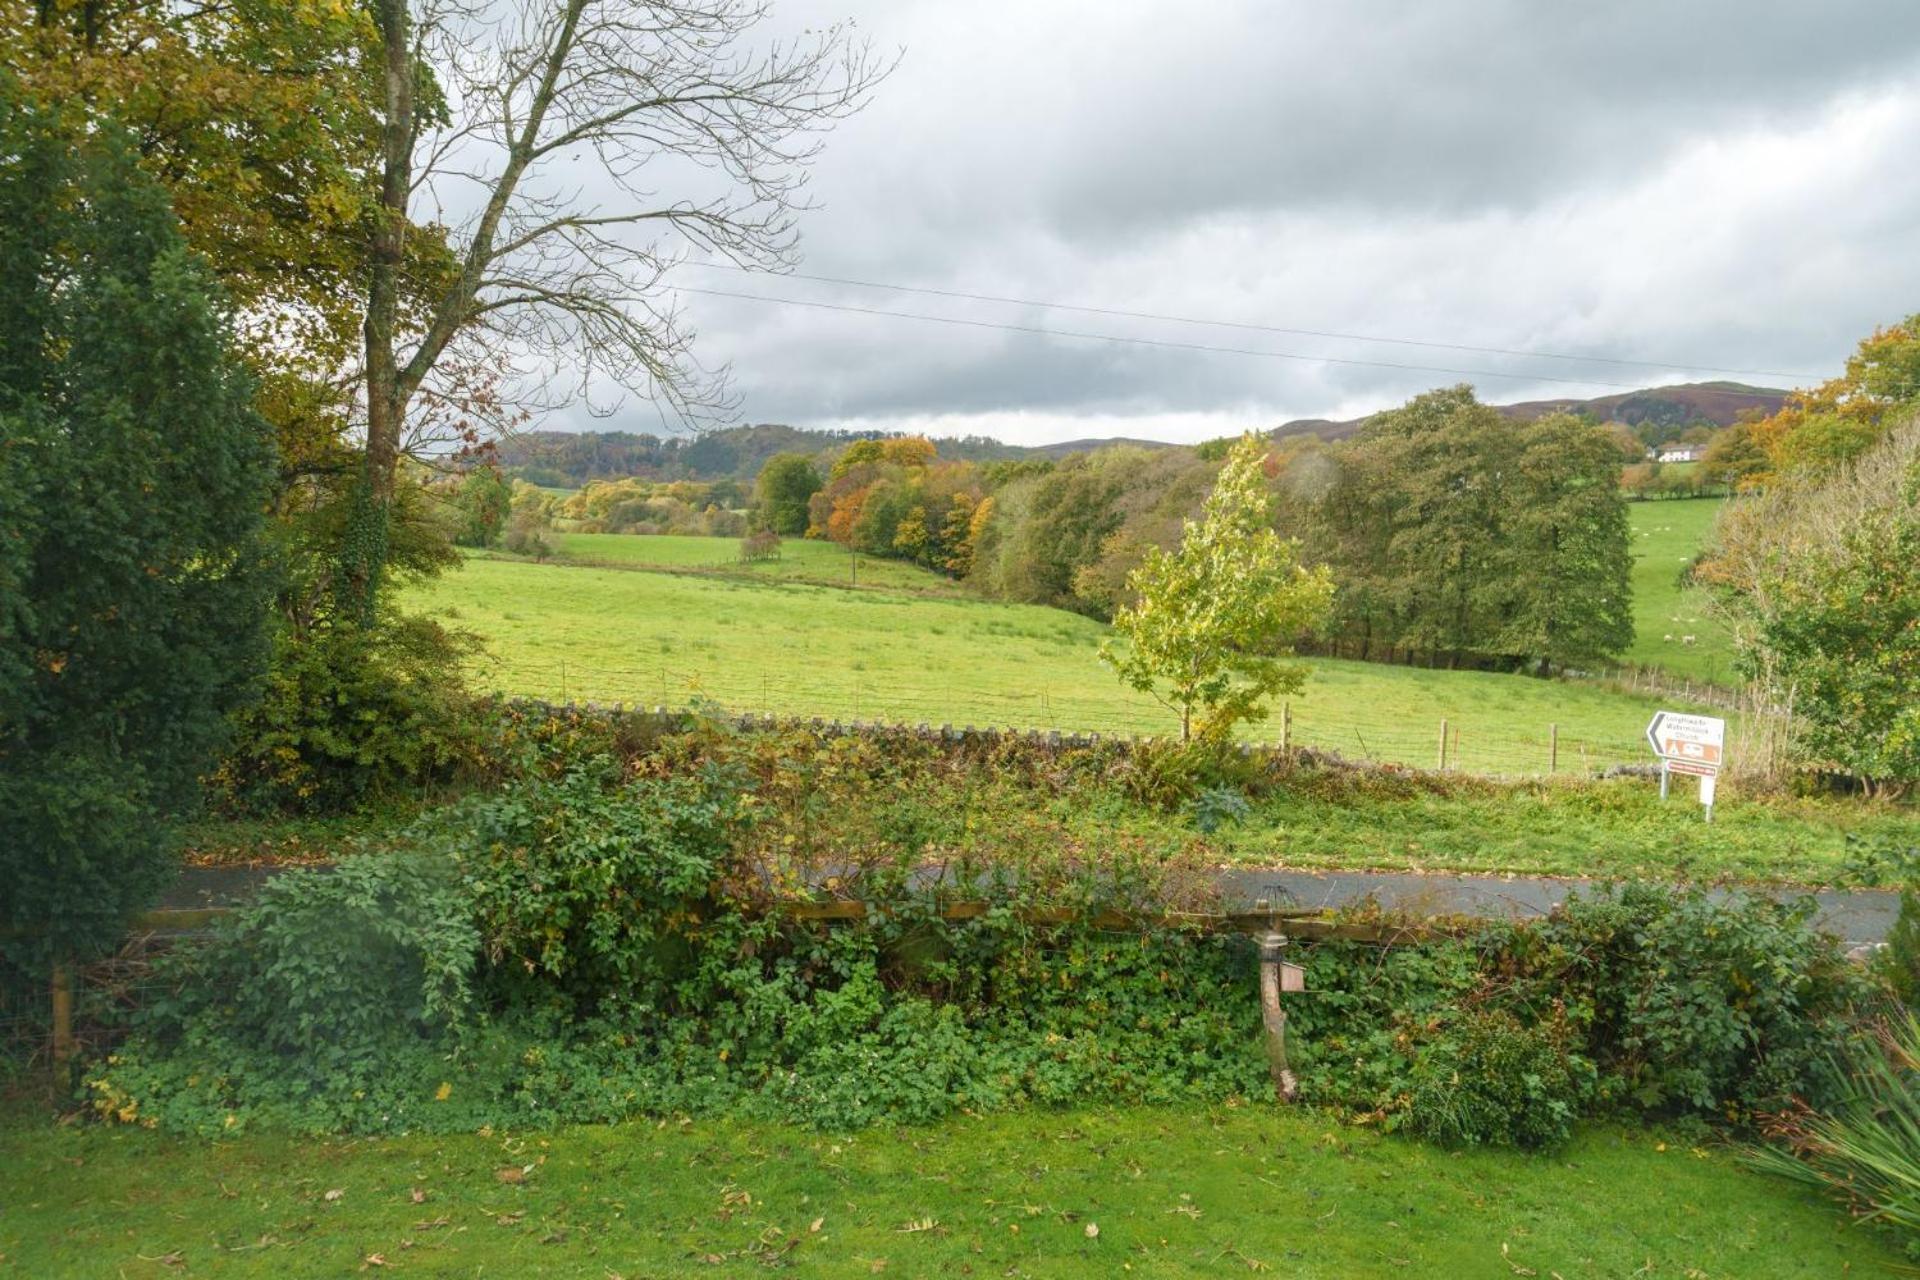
(1723, 185)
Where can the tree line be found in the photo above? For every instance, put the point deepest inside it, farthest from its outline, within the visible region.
(1454, 535)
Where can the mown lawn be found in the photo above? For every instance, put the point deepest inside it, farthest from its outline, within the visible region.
(1150, 1192)
(559, 631)
(1667, 535)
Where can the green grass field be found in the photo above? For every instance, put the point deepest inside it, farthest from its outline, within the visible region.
(801, 560)
(1666, 538)
(1173, 1192)
(568, 632)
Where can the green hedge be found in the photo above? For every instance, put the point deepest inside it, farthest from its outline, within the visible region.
(596, 945)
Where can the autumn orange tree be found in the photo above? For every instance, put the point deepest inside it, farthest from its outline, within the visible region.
(895, 497)
(1845, 416)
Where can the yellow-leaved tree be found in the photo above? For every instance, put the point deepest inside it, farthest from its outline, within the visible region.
(1215, 620)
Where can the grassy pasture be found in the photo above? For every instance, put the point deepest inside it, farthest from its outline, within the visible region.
(610, 635)
(1666, 538)
(1155, 1192)
(801, 560)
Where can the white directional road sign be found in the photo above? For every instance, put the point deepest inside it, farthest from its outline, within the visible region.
(1688, 744)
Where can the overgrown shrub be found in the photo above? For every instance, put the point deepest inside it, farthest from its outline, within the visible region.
(1689, 1003)
(623, 960)
(1492, 1080)
(332, 998)
(525, 538)
(622, 913)
(351, 713)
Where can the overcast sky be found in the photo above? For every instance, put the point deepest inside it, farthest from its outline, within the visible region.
(1719, 185)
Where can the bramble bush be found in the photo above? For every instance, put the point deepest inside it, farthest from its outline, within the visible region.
(1492, 1079)
(604, 939)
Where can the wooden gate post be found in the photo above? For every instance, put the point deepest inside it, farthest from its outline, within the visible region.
(1276, 973)
(62, 1014)
(1442, 766)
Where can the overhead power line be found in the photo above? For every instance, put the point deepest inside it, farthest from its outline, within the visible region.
(1156, 342)
(1800, 378)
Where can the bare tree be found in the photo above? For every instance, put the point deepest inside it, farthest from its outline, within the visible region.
(566, 121)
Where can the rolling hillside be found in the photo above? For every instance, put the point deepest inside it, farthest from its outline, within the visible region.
(1717, 402)
(570, 459)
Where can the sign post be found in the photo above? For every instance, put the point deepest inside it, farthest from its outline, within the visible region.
(1689, 744)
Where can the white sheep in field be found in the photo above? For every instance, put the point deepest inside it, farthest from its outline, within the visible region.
(1686, 639)
(1668, 637)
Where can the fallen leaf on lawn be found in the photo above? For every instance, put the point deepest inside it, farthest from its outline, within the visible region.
(918, 1224)
(1093, 1231)
(816, 1224)
(877, 1266)
(335, 1194)
(418, 1195)
(174, 1259)
(512, 1173)
(1513, 1266)
(373, 1260)
(444, 1092)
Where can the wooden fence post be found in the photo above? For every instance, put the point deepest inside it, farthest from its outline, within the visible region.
(62, 1014)
(1443, 745)
(1553, 748)
(1286, 728)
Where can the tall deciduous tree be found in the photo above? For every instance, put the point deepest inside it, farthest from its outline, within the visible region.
(787, 483)
(1457, 534)
(1214, 619)
(1822, 580)
(668, 97)
(134, 575)
(1565, 557)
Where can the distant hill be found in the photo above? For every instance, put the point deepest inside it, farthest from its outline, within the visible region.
(1717, 402)
(570, 459)
(1065, 447)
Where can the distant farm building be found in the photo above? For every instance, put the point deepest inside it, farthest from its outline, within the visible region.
(1681, 453)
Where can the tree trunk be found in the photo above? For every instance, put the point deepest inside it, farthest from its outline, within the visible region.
(366, 552)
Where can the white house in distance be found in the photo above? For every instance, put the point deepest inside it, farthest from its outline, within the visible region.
(1680, 453)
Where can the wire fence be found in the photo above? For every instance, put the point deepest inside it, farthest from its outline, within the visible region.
(102, 999)
(1486, 740)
